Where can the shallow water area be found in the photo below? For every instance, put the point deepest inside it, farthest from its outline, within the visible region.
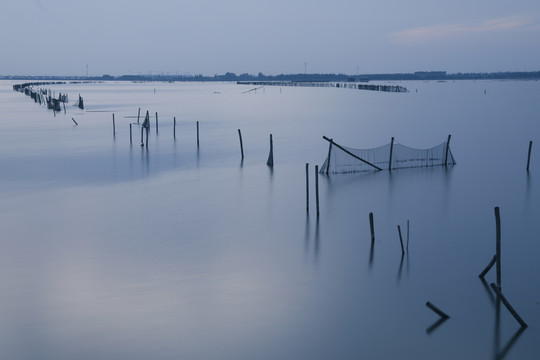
(114, 250)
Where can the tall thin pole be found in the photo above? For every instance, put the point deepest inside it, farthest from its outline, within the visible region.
(270, 161)
(130, 135)
(156, 123)
(372, 227)
(329, 153)
(498, 246)
(174, 128)
(529, 156)
(139, 115)
(113, 126)
(197, 133)
(391, 150)
(448, 147)
(241, 144)
(307, 187)
(317, 187)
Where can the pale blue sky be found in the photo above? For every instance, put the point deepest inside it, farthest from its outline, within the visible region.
(59, 37)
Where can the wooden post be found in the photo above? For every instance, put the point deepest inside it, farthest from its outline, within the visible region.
(307, 187)
(147, 131)
(270, 161)
(529, 156)
(400, 240)
(241, 144)
(391, 150)
(64, 103)
(113, 126)
(328, 158)
(317, 187)
(138, 115)
(156, 123)
(490, 265)
(174, 128)
(447, 147)
(497, 291)
(437, 310)
(142, 134)
(498, 245)
(372, 227)
(197, 133)
(130, 135)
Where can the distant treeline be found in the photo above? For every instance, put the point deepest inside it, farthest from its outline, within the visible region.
(420, 75)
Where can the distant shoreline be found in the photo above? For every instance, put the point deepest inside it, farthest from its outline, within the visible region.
(420, 75)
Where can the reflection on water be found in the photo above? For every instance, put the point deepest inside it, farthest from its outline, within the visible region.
(108, 251)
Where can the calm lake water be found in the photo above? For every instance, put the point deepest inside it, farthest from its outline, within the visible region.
(114, 251)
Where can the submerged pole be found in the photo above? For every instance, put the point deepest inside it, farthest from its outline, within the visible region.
(130, 135)
(197, 133)
(139, 115)
(497, 291)
(401, 240)
(529, 156)
(437, 310)
(156, 123)
(447, 147)
(74, 121)
(270, 161)
(317, 187)
(147, 131)
(174, 128)
(113, 126)
(498, 245)
(371, 227)
(307, 187)
(328, 158)
(241, 144)
(391, 150)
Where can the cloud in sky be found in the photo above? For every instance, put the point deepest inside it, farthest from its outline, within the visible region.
(448, 31)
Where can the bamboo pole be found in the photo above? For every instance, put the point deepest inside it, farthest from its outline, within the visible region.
(197, 133)
(156, 123)
(372, 227)
(241, 144)
(391, 151)
(401, 240)
(270, 161)
(350, 153)
(490, 265)
(437, 310)
(447, 148)
(498, 245)
(147, 131)
(497, 291)
(113, 126)
(529, 156)
(174, 128)
(307, 187)
(130, 135)
(317, 187)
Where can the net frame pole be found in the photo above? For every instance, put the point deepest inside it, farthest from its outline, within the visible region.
(350, 153)
(447, 148)
(391, 151)
(329, 152)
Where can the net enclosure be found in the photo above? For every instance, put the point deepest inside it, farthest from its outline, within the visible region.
(342, 159)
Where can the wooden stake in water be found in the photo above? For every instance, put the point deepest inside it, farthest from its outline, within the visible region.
(307, 187)
(437, 310)
(497, 291)
(529, 156)
(113, 126)
(138, 115)
(371, 227)
(174, 128)
(156, 123)
(391, 150)
(447, 148)
(197, 133)
(317, 187)
(400, 240)
(130, 135)
(147, 131)
(241, 145)
(270, 161)
(498, 245)
(74, 121)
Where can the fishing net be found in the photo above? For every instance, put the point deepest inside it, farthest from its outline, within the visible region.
(342, 159)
